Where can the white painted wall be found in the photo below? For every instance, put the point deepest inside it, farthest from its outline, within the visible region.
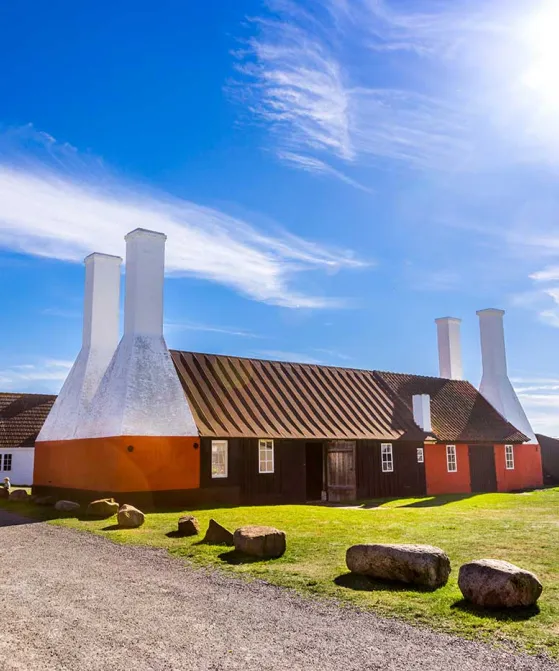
(421, 404)
(99, 341)
(495, 384)
(22, 465)
(450, 348)
(140, 393)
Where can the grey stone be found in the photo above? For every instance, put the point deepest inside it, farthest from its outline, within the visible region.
(66, 506)
(102, 508)
(218, 535)
(19, 495)
(492, 583)
(413, 564)
(130, 517)
(188, 526)
(260, 541)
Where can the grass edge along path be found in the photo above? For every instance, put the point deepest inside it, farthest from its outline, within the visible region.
(521, 528)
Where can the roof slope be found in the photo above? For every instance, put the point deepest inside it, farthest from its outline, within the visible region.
(21, 418)
(237, 397)
(459, 413)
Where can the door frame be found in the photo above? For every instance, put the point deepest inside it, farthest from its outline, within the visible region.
(340, 493)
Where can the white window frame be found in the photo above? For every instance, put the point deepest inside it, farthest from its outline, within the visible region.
(386, 458)
(509, 457)
(217, 446)
(420, 455)
(266, 455)
(451, 459)
(4, 459)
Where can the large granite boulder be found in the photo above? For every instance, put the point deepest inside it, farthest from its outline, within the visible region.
(492, 583)
(416, 564)
(218, 535)
(4, 493)
(188, 526)
(66, 506)
(19, 495)
(257, 541)
(102, 508)
(130, 517)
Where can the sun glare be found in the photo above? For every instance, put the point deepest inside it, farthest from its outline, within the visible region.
(542, 36)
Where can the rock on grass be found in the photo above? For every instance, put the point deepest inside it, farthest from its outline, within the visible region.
(492, 583)
(412, 564)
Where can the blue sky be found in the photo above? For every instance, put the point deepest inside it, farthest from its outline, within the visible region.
(332, 176)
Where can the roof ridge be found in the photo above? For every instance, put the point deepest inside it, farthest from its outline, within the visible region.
(321, 365)
(26, 393)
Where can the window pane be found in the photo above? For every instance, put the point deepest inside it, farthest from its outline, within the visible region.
(451, 463)
(219, 458)
(387, 464)
(420, 455)
(509, 457)
(265, 456)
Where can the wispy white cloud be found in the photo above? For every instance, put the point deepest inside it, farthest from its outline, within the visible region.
(327, 84)
(318, 167)
(313, 102)
(193, 326)
(46, 374)
(55, 203)
(540, 398)
(291, 357)
(548, 274)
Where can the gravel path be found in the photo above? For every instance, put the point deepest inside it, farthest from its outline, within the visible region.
(76, 601)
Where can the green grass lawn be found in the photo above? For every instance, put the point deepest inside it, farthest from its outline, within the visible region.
(521, 528)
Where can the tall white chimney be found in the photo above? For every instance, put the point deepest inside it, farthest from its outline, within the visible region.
(421, 404)
(99, 340)
(450, 350)
(140, 394)
(495, 384)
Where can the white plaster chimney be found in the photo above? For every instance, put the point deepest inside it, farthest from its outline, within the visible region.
(495, 384)
(99, 340)
(140, 394)
(450, 349)
(421, 404)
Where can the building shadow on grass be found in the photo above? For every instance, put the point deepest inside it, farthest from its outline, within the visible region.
(362, 583)
(436, 501)
(501, 615)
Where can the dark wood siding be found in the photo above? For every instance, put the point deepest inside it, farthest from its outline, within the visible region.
(285, 485)
(407, 478)
(550, 459)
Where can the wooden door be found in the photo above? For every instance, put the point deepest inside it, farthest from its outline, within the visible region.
(340, 470)
(483, 476)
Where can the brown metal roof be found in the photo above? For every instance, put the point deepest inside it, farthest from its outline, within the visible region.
(22, 417)
(237, 397)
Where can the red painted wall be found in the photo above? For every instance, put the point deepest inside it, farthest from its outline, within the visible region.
(106, 464)
(527, 470)
(439, 480)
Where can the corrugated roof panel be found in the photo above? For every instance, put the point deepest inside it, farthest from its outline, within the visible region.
(238, 397)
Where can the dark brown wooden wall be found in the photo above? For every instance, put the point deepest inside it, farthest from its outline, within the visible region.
(407, 479)
(286, 485)
(550, 459)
